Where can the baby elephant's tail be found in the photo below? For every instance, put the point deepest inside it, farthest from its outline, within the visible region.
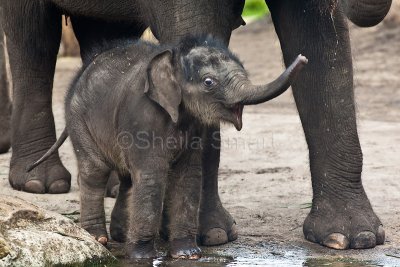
(50, 152)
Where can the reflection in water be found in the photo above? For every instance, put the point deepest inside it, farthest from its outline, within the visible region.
(342, 262)
(257, 254)
(220, 261)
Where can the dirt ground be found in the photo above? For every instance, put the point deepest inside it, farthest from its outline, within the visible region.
(264, 175)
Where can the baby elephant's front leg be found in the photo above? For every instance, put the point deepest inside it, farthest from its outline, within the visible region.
(182, 204)
(148, 189)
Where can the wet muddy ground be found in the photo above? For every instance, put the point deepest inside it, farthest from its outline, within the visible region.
(264, 175)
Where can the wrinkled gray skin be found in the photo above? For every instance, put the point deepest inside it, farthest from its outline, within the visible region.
(341, 216)
(366, 13)
(142, 110)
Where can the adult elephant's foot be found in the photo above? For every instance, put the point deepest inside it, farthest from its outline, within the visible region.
(341, 224)
(49, 177)
(217, 226)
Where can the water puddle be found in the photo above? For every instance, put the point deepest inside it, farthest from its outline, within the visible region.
(342, 262)
(226, 261)
(262, 253)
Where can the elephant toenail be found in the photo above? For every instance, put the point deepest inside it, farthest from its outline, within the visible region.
(195, 256)
(184, 249)
(365, 239)
(34, 186)
(214, 236)
(336, 241)
(102, 240)
(59, 187)
(233, 233)
(380, 236)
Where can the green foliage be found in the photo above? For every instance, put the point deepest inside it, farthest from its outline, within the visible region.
(255, 8)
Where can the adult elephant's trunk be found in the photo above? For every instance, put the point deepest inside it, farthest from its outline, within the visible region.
(366, 13)
(256, 94)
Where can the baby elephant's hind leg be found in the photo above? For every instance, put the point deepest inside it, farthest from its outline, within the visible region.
(93, 180)
(119, 216)
(113, 185)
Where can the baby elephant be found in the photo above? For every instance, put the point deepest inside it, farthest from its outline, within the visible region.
(141, 109)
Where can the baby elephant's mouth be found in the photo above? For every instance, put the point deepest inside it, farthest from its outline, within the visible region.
(237, 112)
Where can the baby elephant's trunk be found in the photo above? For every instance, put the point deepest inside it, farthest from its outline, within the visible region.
(51, 151)
(256, 94)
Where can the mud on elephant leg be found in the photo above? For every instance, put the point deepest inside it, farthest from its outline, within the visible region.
(33, 37)
(216, 224)
(5, 103)
(341, 216)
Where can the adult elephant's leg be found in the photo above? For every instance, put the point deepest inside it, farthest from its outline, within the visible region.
(96, 33)
(341, 216)
(5, 103)
(33, 30)
(216, 224)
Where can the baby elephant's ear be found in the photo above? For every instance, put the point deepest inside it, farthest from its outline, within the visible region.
(161, 84)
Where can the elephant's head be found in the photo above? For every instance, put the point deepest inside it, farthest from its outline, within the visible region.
(204, 79)
(366, 13)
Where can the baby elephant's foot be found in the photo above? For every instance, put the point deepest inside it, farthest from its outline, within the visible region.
(102, 239)
(99, 235)
(185, 248)
(140, 250)
(344, 225)
(118, 230)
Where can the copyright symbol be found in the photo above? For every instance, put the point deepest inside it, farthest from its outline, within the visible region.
(125, 140)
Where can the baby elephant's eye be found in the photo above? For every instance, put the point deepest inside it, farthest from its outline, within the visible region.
(208, 82)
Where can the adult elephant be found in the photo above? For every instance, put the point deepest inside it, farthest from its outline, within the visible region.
(341, 216)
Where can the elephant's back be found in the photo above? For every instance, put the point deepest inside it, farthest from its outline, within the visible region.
(111, 73)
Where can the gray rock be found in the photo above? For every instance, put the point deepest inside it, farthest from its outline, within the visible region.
(31, 236)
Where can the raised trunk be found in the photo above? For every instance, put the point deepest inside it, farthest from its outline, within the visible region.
(256, 94)
(366, 13)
